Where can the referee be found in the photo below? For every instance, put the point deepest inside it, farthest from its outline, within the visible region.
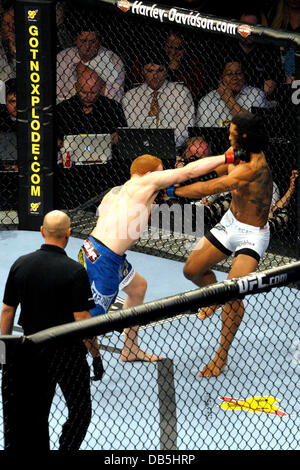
(52, 290)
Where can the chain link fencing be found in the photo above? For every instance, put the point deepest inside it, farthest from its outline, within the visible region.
(192, 122)
(161, 406)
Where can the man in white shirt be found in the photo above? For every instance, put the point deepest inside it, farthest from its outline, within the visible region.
(233, 96)
(158, 102)
(89, 52)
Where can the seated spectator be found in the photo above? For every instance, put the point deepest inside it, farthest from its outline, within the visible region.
(8, 111)
(261, 64)
(281, 203)
(183, 66)
(285, 15)
(7, 69)
(79, 69)
(233, 96)
(195, 147)
(63, 33)
(90, 52)
(87, 112)
(159, 102)
(8, 115)
(8, 38)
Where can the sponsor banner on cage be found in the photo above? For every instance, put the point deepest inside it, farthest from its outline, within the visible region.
(182, 17)
(35, 194)
(35, 78)
(258, 281)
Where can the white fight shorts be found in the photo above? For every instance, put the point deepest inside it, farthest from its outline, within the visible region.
(231, 236)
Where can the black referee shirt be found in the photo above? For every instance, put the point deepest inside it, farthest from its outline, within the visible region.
(49, 286)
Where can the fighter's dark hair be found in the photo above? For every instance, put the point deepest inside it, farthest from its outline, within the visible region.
(253, 126)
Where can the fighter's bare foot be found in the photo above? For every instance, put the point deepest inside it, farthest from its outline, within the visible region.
(138, 355)
(206, 312)
(214, 368)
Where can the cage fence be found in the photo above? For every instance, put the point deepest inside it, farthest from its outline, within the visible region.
(105, 117)
(162, 405)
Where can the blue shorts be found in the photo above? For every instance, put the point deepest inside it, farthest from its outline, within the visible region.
(108, 273)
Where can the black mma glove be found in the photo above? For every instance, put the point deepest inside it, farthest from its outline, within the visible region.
(234, 156)
(97, 368)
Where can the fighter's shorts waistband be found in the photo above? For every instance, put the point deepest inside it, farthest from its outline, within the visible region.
(104, 250)
(252, 228)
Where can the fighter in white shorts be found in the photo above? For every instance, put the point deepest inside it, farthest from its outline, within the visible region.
(243, 230)
(232, 236)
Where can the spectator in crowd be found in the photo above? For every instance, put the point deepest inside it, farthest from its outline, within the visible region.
(8, 38)
(285, 14)
(7, 70)
(8, 138)
(65, 38)
(195, 147)
(281, 203)
(233, 96)
(79, 69)
(87, 112)
(183, 65)
(90, 52)
(159, 102)
(8, 111)
(52, 290)
(261, 64)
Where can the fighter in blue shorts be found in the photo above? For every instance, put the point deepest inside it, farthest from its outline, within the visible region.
(108, 273)
(122, 217)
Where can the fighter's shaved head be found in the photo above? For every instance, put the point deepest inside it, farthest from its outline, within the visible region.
(56, 224)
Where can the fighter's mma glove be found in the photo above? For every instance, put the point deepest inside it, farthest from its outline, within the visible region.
(209, 176)
(171, 191)
(97, 368)
(234, 156)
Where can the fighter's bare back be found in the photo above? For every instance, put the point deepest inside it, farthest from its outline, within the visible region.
(251, 199)
(123, 214)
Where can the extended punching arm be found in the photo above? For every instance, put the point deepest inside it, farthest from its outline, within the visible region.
(231, 156)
